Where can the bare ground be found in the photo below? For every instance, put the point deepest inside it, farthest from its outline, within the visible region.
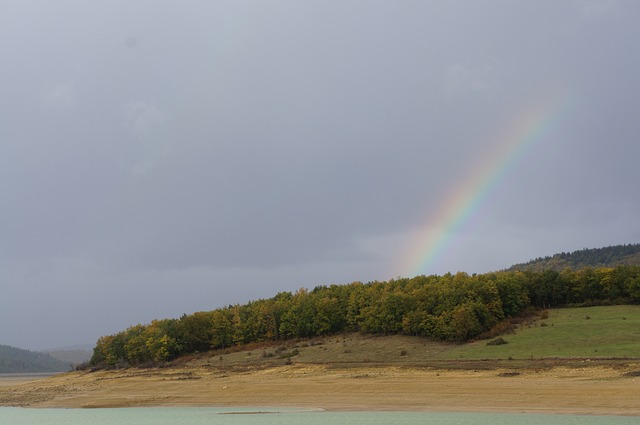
(561, 387)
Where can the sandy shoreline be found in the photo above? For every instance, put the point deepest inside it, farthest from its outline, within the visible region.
(590, 390)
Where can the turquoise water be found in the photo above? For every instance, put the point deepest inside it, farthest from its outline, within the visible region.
(213, 416)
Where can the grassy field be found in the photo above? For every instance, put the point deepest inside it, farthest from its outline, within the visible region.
(612, 331)
(592, 332)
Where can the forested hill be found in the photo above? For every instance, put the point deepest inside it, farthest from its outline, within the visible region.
(611, 256)
(451, 307)
(16, 360)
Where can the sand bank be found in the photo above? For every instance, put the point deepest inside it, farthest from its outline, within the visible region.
(589, 390)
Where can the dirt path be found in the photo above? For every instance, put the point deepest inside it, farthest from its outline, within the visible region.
(589, 390)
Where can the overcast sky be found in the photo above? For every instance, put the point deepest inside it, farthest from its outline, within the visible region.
(165, 157)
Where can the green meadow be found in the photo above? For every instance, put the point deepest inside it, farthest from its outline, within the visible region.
(609, 331)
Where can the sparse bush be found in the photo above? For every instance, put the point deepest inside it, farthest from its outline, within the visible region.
(289, 355)
(497, 341)
(504, 327)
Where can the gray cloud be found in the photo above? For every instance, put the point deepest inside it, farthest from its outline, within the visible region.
(158, 159)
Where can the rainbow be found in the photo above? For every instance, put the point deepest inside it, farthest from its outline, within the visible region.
(514, 141)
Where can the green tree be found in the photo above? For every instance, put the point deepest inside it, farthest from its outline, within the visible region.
(135, 345)
(195, 332)
(466, 321)
(221, 328)
(161, 341)
(512, 291)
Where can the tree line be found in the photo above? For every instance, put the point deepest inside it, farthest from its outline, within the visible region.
(610, 256)
(453, 307)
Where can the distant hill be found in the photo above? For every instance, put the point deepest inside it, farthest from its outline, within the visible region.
(610, 256)
(71, 356)
(17, 360)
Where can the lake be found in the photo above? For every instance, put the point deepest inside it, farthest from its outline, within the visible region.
(227, 416)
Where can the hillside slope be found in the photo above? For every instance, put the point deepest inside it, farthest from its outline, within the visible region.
(557, 362)
(610, 256)
(604, 332)
(555, 334)
(449, 308)
(17, 360)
